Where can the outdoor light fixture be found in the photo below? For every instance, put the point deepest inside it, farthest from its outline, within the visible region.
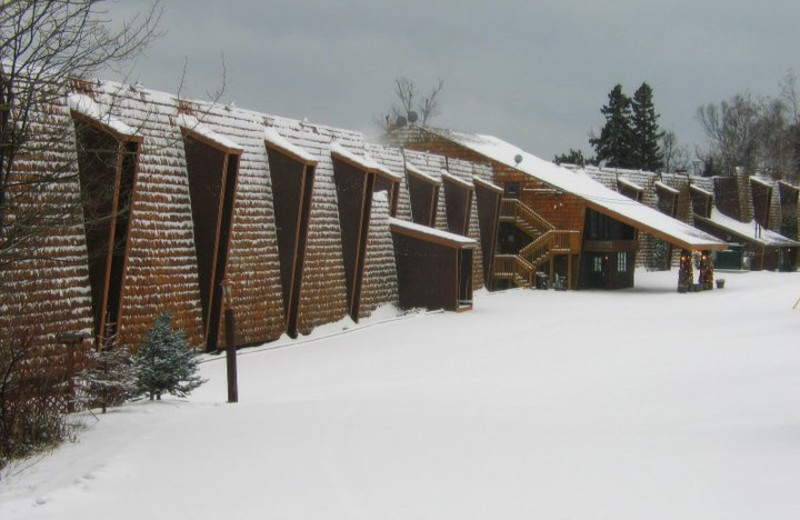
(227, 292)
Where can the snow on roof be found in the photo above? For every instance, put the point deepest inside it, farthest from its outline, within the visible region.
(486, 184)
(435, 234)
(276, 140)
(630, 184)
(86, 106)
(366, 162)
(763, 182)
(195, 126)
(747, 230)
(698, 189)
(580, 184)
(452, 178)
(419, 173)
(668, 189)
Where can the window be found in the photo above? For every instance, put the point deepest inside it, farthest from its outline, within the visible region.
(597, 264)
(598, 225)
(622, 262)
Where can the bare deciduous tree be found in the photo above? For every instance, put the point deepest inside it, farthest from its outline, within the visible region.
(675, 156)
(410, 106)
(44, 45)
(46, 48)
(731, 126)
(756, 134)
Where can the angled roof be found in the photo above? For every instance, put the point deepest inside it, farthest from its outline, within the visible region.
(364, 162)
(204, 132)
(578, 183)
(276, 140)
(747, 231)
(85, 106)
(431, 234)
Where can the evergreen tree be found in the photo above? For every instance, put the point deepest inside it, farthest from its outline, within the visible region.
(646, 134)
(614, 143)
(573, 157)
(165, 363)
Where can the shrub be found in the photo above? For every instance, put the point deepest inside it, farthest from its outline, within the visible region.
(165, 363)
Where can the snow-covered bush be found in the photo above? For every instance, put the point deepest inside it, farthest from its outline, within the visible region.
(109, 379)
(165, 363)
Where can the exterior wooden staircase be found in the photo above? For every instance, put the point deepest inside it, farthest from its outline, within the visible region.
(547, 242)
(527, 220)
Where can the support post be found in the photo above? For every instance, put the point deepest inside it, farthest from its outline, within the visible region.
(230, 342)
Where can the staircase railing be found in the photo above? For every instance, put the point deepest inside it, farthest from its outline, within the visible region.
(553, 241)
(516, 210)
(521, 268)
(515, 268)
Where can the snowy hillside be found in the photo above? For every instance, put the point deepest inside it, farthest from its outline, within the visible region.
(638, 404)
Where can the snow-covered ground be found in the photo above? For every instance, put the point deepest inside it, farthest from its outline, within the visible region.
(637, 404)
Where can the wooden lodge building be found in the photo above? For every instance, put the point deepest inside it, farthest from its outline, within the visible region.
(308, 223)
(756, 217)
(556, 221)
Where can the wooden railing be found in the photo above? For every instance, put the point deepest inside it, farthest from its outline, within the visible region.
(515, 268)
(516, 210)
(556, 240)
(547, 242)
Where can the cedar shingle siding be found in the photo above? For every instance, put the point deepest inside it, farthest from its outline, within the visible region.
(734, 196)
(202, 207)
(44, 284)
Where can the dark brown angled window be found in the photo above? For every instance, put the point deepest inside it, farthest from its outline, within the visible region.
(458, 201)
(762, 197)
(108, 154)
(212, 164)
(668, 205)
(789, 198)
(424, 193)
(701, 201)
(292, 173)
(357, 178)
(667, 199)
(388, 182)
(488, 197)
(726, 195)
(629, 189)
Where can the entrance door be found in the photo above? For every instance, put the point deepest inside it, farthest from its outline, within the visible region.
(597, 271)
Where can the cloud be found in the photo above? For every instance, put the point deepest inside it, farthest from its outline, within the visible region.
(534, 73)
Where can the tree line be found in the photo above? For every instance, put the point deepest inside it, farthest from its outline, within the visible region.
(754, 133)
(631, 136)
(749, 133)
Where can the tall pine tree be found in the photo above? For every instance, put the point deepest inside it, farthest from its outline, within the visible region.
(646, 134)
(615, 142)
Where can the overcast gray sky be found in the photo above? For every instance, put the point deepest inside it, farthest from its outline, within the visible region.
(534, 73)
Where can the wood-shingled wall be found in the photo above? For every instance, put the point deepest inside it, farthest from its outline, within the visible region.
(44, 282)
(52, 291)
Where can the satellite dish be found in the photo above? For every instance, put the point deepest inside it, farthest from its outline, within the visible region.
(412, 117)
(401, 121)
(517, 159)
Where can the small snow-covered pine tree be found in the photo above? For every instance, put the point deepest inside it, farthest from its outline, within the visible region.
(165, 362)
(110, 378)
